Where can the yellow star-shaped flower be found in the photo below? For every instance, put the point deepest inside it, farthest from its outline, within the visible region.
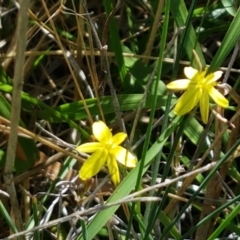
(105, 151)
(198, 88)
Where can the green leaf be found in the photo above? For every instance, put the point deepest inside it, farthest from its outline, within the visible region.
(180, 13)
(7, 217)
(50, 112)
(225, 223)
(229, 5)
(76, 110)
(115, 40)
(230, 40)
(27, 146)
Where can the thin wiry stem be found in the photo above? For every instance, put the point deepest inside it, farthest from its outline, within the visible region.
(21, 31)
(106, 68)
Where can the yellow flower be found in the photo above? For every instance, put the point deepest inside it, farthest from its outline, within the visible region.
(105, 151)
(198, 89)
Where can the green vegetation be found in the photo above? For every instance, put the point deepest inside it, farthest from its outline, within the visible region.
(84, 61)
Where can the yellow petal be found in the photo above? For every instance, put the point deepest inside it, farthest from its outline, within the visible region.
(89, 147)
(93, 164)
(190, 72)
(181, 84)
(204, 106)
(213, 77)
(101, 132)
(119, 138)
(217, 97)
(187, 101)
(113, 170)
(124, 156)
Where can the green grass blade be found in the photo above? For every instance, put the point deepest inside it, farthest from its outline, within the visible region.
(156, 163)
(230, 40)
(7, 217)
(225, 222)
(76, 111)
(202, 185)
(180, 13)
(210, 216)
(115, 40)
(50, 112)
(36, 217)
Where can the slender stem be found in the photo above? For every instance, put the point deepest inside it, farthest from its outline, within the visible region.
(21, 32)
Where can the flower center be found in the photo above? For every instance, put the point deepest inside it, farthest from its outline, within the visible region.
(108, 145)
(200, 80)
(200, 84)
